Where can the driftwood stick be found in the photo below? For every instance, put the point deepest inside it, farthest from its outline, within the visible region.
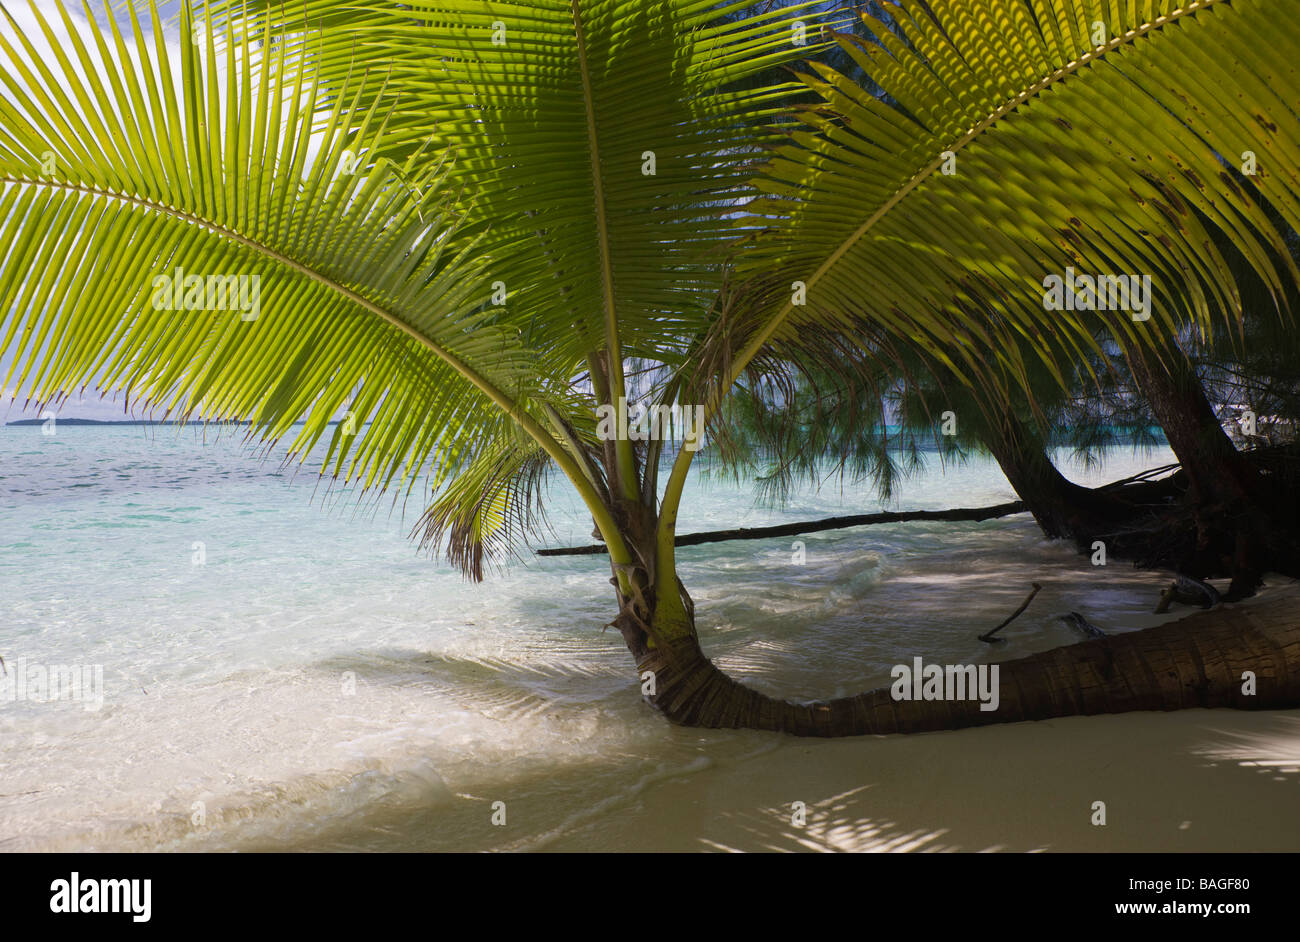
(1142, 477)
(988, 636)
(839, 523)
(813, 526)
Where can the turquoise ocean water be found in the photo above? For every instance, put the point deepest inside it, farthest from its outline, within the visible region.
(282, 669)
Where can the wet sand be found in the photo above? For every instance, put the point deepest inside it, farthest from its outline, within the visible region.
(1190, 780)
(1193, 780)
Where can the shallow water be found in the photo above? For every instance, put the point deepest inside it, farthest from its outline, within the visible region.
(311, 681)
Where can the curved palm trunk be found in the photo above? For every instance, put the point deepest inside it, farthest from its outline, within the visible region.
(1061, 508)
(1216, 469)
(1243, 527)
(1197, 661)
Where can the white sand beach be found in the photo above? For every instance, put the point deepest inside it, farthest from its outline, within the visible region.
(1194, 780)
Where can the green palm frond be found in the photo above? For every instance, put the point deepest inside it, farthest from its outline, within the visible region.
(389, 175)
(488, 507)
(546, 111)
(353, 300)
(1104, 136)
(466, 217)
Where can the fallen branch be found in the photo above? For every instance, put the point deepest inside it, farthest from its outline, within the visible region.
(1141, 477)
(860, 520)
(813, 526)
(988, 635)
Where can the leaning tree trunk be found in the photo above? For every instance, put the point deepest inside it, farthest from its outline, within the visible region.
(1061, 508)
(1236, 530)
(1214, 466)
(1198, 661)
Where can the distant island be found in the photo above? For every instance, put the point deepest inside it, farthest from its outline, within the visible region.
(31, 422)
(122, 422)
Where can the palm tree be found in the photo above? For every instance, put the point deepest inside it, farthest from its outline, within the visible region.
(478, 225)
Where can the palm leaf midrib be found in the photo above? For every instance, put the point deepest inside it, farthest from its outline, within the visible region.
(268, 252)
(1057, 75)
(598, 188)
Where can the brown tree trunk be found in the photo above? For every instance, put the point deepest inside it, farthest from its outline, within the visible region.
(1214, 467)
(1235, 530)
(1197, 661)
(1061, 508)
